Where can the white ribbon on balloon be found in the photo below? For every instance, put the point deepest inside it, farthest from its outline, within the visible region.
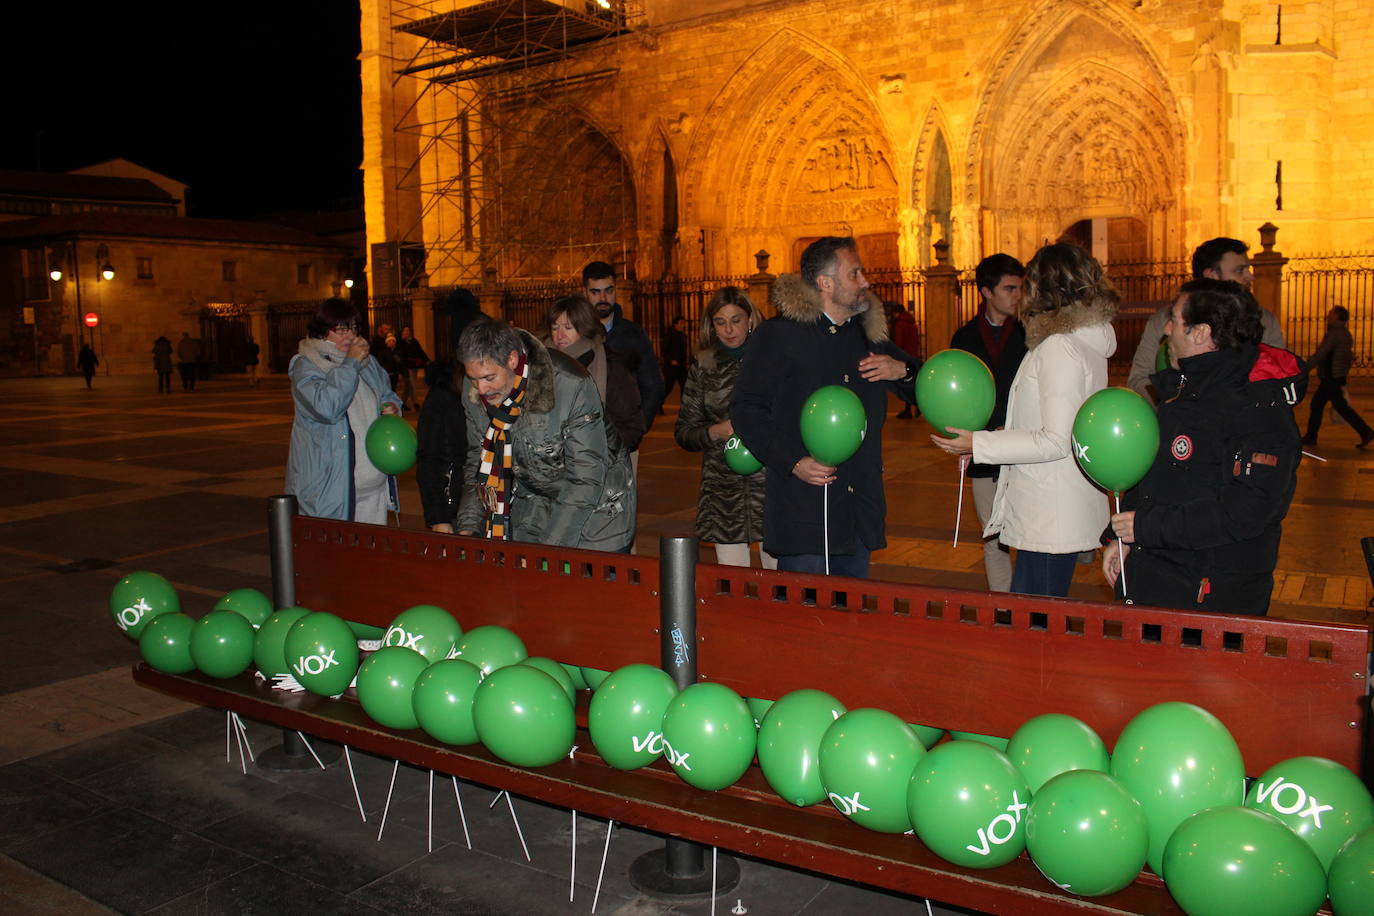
(1120, 551)
(959, 509)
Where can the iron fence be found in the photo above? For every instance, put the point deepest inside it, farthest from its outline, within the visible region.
(1145, 287)
(1312, 285)
(287, 321)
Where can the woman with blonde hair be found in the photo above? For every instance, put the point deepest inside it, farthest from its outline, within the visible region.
(1045, 507)
(730, 507)
(571, 326)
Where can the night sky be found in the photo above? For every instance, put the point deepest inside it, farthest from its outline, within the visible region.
(254, 105)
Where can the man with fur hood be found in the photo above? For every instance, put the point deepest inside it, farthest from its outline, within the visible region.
(830, 330)
(1201, 531)
(543, 463)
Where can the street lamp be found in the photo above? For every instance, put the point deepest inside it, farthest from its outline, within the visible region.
(102, 255)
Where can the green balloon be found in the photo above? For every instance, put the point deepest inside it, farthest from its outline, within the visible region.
(739, 458)
(967, 802)
(166, 643)
(575, 673)
(555, 671)
(709, 735)
(222, 644)
(1320, 800)
(138, 598)
(490, 648)
(625, 718)
(365, 630)
(928, 734)
(523, 716)
(426, 629)
(391, 444)
(1350, 881)
(386, 682)
(758, 709)
(833, 423)
(1086, 833)
(593, 677)
(322, 653)
(866, 759)
(1045, 746)
(1234, 861)
(1177, 759)
(956, 388)
(991, 741)
(1115, 438)
(269, 645)
(253, 605)
(790, 744)
(443, 700)
(1162, 360)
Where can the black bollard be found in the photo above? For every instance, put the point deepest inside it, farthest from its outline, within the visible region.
(291, 755)
(680, 870)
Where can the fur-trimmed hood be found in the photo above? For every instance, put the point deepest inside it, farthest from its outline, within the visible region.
(1040, 325)
(798, 301)
(540, 397)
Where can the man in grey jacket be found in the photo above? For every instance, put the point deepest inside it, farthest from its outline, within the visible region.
(1333, 359)
(540, 466)
(1217, 259)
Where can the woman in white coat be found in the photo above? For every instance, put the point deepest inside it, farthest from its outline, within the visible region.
(1045, 507)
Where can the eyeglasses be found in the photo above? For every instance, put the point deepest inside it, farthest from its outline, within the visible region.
(346, 327)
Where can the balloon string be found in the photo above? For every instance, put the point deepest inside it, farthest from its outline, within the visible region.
(825, 528)
(1120, 551)
(959, 512)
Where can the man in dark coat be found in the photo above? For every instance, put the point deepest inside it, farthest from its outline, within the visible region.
(830, 330)
(1201, 531)
(625, 338)
(995, 336)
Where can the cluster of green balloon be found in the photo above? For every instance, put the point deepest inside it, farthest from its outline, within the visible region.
(322, 653)
(249, 603)
(426, 629)
(1350, 881)
(625, 718)
(1230, 859)
(1320, 800)
(138, 598)
(222, 644)
(955, 388)
(391, 444)
(1177, 759)
(967, 803)
(1115, 438)
(833, 424)
(789, 744)
(269, 646)
(866, 760)
(739, 458)
(709, 735)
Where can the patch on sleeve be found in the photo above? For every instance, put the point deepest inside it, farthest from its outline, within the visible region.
(1182, 448)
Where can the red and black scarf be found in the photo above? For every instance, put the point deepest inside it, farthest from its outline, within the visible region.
(496, 469)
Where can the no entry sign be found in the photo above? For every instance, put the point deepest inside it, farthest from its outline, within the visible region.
(92, 319)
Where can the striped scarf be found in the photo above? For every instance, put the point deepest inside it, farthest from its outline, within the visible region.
(495, 471)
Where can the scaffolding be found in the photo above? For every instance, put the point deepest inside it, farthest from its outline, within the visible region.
(516, 168)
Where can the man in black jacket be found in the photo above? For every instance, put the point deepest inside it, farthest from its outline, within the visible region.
(1202, 530)
(627, 339)
(996, 337)
(830, 330)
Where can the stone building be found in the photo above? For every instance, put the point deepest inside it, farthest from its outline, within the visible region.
(521, 138)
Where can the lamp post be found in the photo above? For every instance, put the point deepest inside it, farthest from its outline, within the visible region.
(104, 271)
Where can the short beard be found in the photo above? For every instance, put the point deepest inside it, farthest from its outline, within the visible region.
(604, 309)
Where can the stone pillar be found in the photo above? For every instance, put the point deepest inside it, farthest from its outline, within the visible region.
(1267, 265)
(257, 326)
(761, 284)
(942, 301)
(422, 317)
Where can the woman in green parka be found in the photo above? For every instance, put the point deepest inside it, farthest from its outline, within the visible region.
(730, 508)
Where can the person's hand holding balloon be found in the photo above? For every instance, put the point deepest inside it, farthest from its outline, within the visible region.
(961, 444)
(1123, 526)
(813, 472)
(1112, 560)
(876, 367)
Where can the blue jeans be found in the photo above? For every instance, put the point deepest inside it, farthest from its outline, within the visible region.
(1047, 574)
(854, 565)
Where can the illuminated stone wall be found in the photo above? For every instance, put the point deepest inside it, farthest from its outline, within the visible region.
(1146, 126)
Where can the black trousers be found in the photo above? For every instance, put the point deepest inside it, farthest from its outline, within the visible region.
(1331, 390)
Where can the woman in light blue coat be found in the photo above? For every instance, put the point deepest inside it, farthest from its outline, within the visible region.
(339, 390)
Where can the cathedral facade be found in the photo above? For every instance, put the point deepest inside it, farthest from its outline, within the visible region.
(690, 134)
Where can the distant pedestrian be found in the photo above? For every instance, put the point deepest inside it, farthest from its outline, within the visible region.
(162, 363)
(675, 357)
(87, 360)
(907, 337)
(1333, 360)
(188, 357)
(251, 351)
(414, 359)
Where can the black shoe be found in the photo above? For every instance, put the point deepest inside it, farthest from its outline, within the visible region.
(1366, 439)
(1309, 440)
(903, 415)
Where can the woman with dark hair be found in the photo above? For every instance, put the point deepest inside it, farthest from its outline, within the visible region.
(339, 390)
(730, 507)
(572, 327)
(442, 433)
(1045, 507)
